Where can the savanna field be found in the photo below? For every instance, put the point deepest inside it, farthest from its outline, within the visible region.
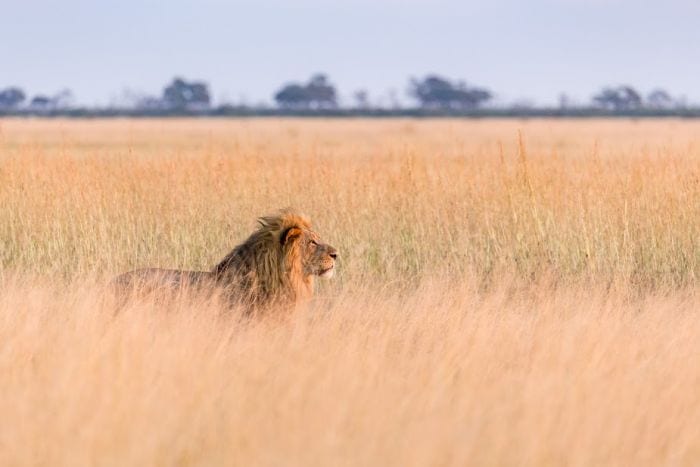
(509, 292)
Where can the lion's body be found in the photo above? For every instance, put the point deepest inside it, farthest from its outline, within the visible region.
(276, 265)
(148, 278)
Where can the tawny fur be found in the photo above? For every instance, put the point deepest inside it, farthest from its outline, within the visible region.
(276, 265)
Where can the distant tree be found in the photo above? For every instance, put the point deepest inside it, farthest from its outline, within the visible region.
(437, 92)
(41, 102)
(293, 96)
(619, 98)
(433, 91)
(61, 100)
(321, 92)
(361, 97)
(472, 97)
(659, 99)
(181, 94)
(317, 93)
(11, 98)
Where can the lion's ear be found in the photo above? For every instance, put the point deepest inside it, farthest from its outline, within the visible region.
(290, 235)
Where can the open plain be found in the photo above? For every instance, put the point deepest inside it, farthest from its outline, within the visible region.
(509, 292)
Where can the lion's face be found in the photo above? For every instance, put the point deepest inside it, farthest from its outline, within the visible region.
(317, 258)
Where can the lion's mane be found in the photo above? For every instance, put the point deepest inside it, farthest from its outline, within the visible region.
(267, 267)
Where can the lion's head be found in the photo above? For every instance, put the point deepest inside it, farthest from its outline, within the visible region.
(278, 262)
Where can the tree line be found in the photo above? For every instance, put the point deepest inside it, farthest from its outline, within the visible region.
(431, 95)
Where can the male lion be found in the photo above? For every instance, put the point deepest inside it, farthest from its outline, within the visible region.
(276, 265)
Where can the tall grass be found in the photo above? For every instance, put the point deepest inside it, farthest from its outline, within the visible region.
(438, 376)
(401, 199)
(509, 292)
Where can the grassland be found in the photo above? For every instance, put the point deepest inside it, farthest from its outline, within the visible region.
(510, 293)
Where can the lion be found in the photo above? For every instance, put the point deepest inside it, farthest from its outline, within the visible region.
(275, 266)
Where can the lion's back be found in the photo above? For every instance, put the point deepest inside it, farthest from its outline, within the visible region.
(149, 280)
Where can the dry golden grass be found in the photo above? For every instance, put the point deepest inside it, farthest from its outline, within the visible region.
(501, 300)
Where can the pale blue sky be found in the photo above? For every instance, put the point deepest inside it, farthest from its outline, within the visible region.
(521, 50)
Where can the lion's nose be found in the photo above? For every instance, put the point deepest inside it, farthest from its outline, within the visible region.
(333, 254)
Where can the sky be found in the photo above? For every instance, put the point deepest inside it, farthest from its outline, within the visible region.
(524, 51)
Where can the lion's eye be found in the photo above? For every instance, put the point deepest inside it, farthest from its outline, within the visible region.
(313, 242)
